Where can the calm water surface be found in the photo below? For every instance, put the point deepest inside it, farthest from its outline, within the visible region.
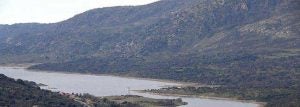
(108, 85)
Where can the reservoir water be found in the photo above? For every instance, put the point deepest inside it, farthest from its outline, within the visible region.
(99, 85)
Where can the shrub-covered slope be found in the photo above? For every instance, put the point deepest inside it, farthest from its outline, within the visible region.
(19, 93)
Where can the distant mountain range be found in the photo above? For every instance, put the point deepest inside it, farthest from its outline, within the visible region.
(230, 42)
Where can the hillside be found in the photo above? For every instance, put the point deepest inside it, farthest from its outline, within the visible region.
(234, 43)
(19, 93)
(205, 41)
(165, 28)
(96, 33)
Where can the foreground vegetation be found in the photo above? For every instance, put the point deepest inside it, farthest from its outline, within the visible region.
(19, 93)
(147, 102)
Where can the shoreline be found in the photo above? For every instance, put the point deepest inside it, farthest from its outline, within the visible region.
(260, 104)
(177, 83)
(21, 65)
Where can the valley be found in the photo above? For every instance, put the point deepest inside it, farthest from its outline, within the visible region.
(250, 49)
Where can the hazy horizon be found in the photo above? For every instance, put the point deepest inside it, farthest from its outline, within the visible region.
(51, 11)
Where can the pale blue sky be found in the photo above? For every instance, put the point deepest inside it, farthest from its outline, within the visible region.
(49, 11)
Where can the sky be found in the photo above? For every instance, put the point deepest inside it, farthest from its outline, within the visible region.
(50, 11)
